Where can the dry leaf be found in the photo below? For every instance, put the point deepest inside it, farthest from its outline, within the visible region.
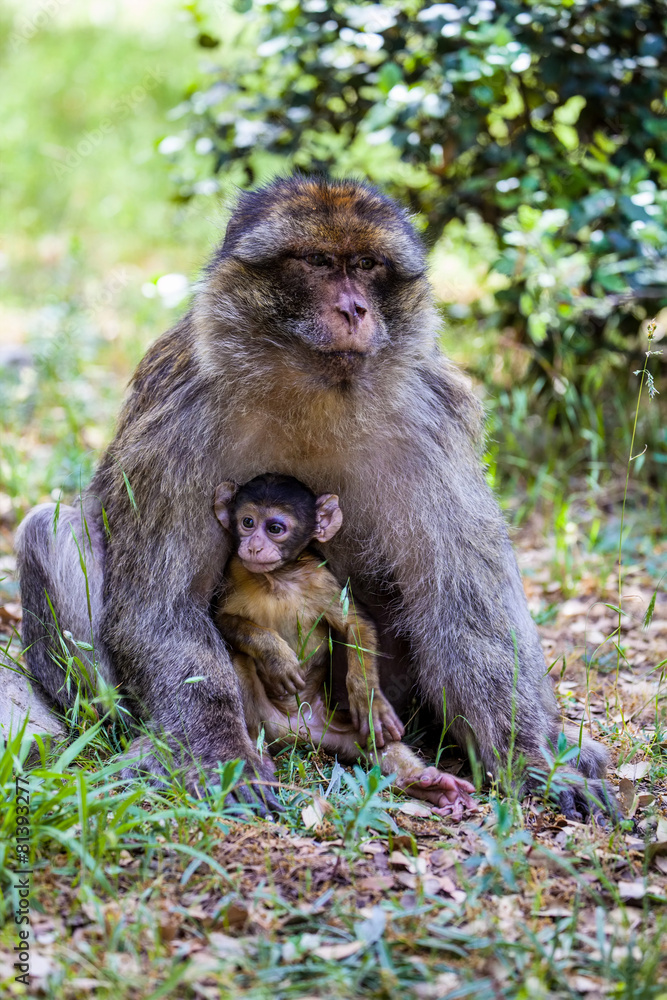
(445, 983)
(637, 889)
(627, 797)
(644, 800)
(313, 814)
(661, 864)
(236, 915)
(41, 965)
(584, 984)
(372, 847)
(659, 846)
(632, 890)
(334, 952)
(443, 859)
(415, 809)
(573, 608)
(404, 842)
(415, 865)
(375, 883)
(407, 879)
(224, 945)
(635, 772)
(446, 884)
(10, 614)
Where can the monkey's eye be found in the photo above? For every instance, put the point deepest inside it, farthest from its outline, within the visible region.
(366, 263)
(248, 522)
(275, 528)
(317, 259)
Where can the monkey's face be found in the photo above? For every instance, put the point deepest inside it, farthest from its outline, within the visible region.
(268, 537)
(334, 308)
(329, 273)
(273, 518)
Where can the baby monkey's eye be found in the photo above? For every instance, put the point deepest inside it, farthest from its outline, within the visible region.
(275, 528)
(248, 522)
(366, 263)
(317, 259)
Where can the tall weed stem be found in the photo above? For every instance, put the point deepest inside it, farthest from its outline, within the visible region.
(648, 378)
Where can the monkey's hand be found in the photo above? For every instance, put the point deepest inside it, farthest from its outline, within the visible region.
(363, 709)
(451, 796)
(280, 671)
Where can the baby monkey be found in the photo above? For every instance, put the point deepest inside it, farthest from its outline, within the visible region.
(277, 605)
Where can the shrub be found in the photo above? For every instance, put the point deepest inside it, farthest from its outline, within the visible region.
(546, 120)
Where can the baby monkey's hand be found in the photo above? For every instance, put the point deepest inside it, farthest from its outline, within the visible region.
(386, 724)
(281, 673)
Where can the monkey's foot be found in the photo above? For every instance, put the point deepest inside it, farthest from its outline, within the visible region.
(157, 763)
(451, 796)
(585, 799)
(255, 787)
(386, 724)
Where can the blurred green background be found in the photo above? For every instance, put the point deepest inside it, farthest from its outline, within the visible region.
(529, 139)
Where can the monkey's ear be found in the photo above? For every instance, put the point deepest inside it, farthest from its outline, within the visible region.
(329, 517)
(224, 494)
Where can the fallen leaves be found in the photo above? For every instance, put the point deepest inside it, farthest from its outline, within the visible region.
(637, 889)
(634, 772)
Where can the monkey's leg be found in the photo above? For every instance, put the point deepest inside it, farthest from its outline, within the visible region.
(449, 795)
(476, 651)
(256, 704)
(367, 702)
(278, 664)
(60, 556)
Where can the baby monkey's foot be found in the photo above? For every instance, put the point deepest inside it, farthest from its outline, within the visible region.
(282, 676)
(451, 796)
(386, 724)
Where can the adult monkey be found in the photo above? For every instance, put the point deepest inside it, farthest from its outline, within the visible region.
(310, 350)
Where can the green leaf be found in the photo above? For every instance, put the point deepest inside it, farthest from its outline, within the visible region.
(567, 135)
(568, 113)
(648, 617)
(389, 76)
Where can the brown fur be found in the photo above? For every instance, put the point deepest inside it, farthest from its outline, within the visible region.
(265, 617)
(244, 384)
(276, 616)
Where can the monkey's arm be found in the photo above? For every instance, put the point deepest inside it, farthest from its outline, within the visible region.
(277, 664)
(363, 681)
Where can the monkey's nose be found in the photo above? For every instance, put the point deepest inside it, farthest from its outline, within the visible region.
(352, 308)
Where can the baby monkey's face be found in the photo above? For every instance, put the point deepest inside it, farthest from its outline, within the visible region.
(269, 537)
(273, 518)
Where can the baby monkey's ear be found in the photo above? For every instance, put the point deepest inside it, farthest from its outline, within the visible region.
(329, 517)
(224, 494)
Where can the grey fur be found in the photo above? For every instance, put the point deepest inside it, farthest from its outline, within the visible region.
(51, 543)
(234, 391)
